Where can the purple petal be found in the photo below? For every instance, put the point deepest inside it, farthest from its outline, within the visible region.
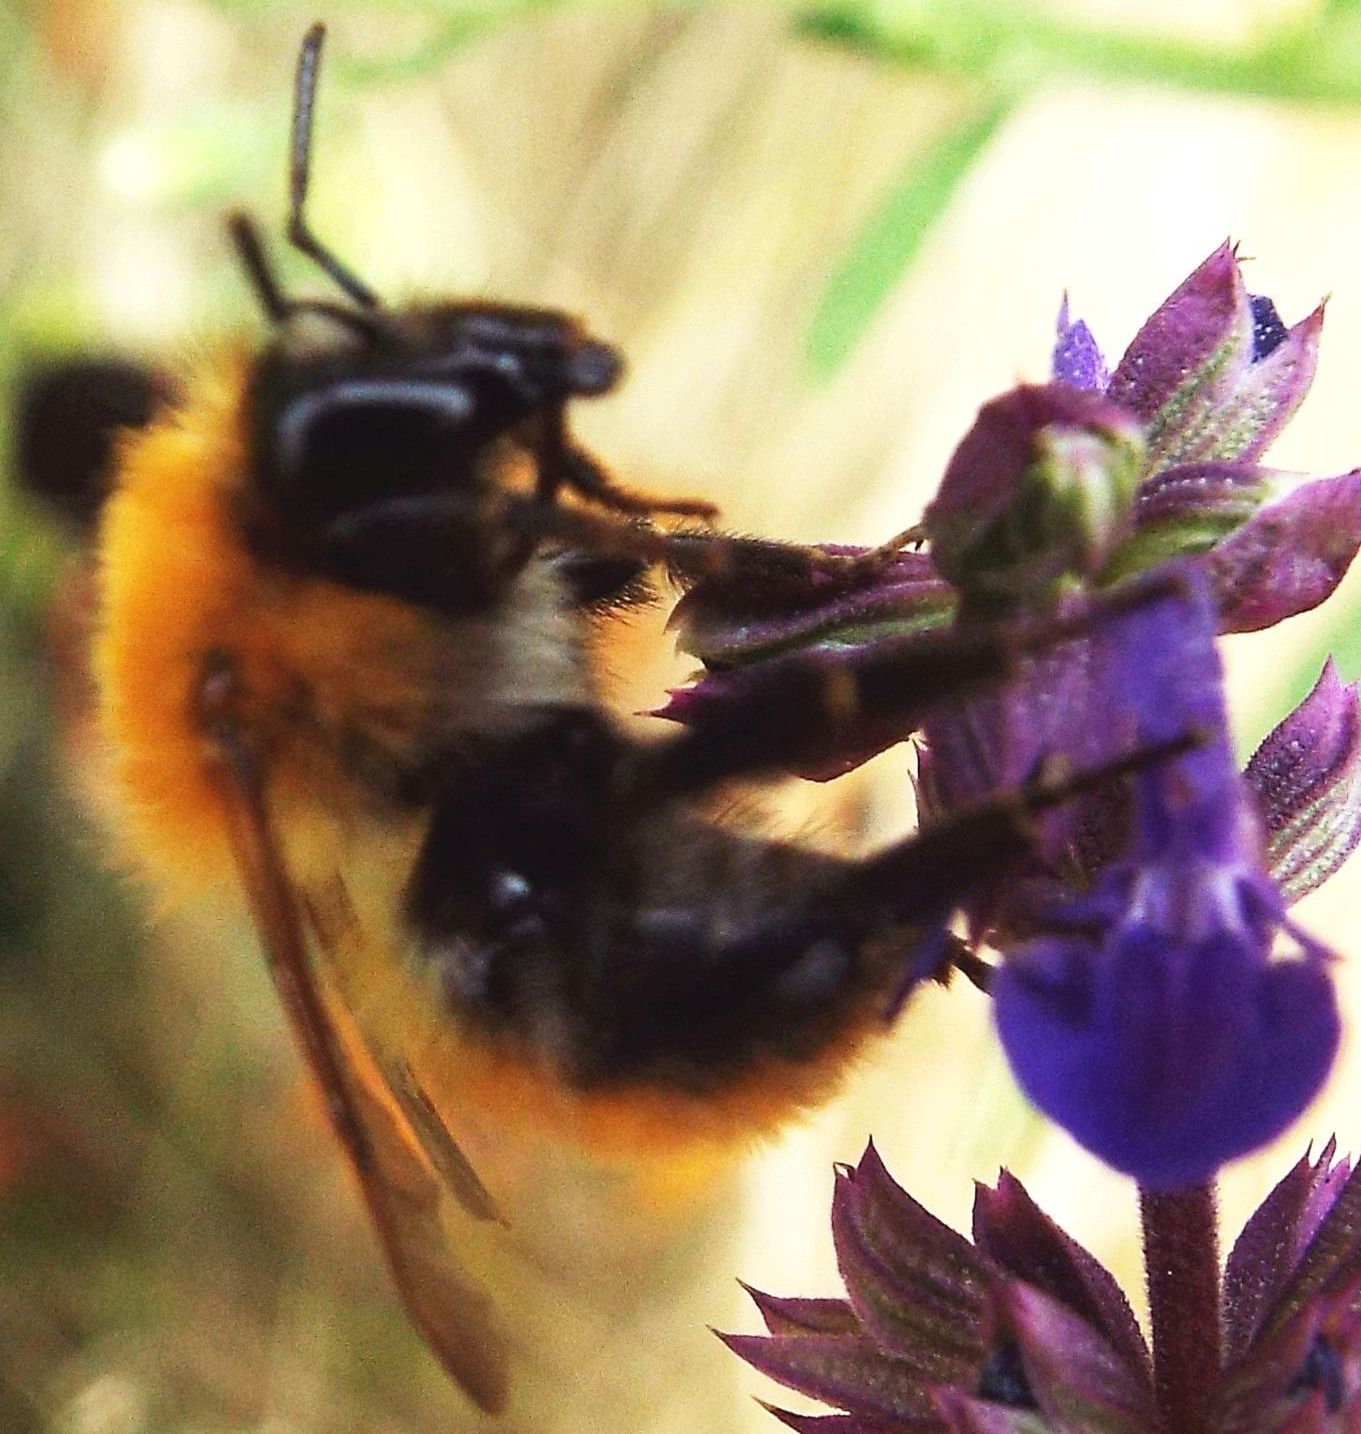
(1271, 1242)
(1272, 388)
(845, 1373)
(1186, 359)
(1011, 1229)
(1080, 1383)
(1306, 777)
(1289, 556)
(916, 1285)
(791, 1315)
(1166, 1059)
(1159, 677)
(1077, 358)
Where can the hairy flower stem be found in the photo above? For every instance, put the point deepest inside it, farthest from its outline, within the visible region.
(1181, 1261)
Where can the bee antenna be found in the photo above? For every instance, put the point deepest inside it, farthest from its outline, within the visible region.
(299, 172)
(250, 249)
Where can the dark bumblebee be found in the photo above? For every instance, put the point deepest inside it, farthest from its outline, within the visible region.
(348, 585)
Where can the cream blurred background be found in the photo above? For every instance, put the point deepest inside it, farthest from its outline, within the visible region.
(689, 179)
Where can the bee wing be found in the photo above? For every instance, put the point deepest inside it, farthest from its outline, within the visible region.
(443, 1152)
(401, 1187)
(453, 1313)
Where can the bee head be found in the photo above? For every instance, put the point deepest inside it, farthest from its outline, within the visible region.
(380, 443)
(380, 439)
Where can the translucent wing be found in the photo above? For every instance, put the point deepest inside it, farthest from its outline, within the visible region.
(401, 1154)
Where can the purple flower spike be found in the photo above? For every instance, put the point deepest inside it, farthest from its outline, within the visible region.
(1025, 1333)
(1306, 776)
(1150, 1019)
(1077, 358)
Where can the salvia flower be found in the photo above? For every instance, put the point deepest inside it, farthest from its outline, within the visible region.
(1151, 1014)
(1152, 995)
(1213, 377)
(1022, 1331)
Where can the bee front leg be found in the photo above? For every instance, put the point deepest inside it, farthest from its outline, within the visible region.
(804, 710)
(580, 472)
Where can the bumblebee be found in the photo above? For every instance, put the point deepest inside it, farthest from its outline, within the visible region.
(348, 585)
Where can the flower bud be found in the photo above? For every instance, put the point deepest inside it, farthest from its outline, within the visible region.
(1041, 488)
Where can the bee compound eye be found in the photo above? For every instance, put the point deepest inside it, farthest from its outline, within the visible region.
(354, 407)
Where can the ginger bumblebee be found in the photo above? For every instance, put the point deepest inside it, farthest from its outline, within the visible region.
(348, 583)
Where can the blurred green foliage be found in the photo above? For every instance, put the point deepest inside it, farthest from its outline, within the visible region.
(1008, 49)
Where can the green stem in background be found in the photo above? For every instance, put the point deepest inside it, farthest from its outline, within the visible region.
(1005, 52)
(1319, 59)
(1181, 1262)
(889, 239)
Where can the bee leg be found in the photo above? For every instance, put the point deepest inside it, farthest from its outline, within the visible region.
(688, 555)
(793, 711)
(581, 473)
(699, 985)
